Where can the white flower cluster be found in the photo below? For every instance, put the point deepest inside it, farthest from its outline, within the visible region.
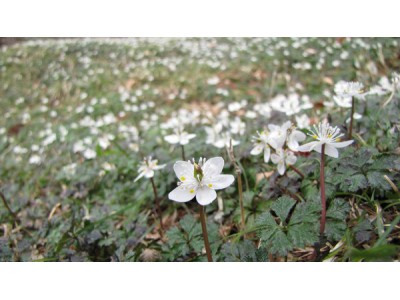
(277, 137)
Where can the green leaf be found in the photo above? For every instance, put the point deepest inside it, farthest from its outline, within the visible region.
(376, 180)
(306, 212)
(354, 182)
(338, 209)
(374, 254)
(305, 234)
(282, 207)
(187, 223)
(280, 243)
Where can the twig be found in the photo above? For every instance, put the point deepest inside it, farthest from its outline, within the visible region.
(158, 208)
(14, 216)
(297, 171)
(239, 180)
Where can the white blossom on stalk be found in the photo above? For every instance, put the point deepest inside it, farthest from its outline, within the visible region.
(328, 136)
(349, 89)
(147, 168)
(200, 180)
(180, 137)
(261, 144)
(283, 158)
(277, 135)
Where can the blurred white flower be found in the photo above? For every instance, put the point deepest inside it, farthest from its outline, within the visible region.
(213, 80)
(295, 136)
(147, 168)
(283, 158)
(328, 136)
(200, 180)
(35, 159)
(180, 137)
(303, 121)
(349, 89)
(89, 153)
(342, 101)
(277, 134)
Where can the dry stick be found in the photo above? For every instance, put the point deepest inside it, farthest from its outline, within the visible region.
(183, 152)
(322, 187)
(351, 118)
(157, 206)
(239, 180)
(8, 207)
(205, 235)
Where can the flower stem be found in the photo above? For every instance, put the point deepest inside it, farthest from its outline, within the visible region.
(322, 188)
(205, 234)
(14, 216)
(240, 188)
(297, 171)
(158, 208)
(351, 118)
(183, 153)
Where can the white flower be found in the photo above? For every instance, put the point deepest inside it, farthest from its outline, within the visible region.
(181, 137)
(283, 158)
(147, 168)
(295, 136)
(302, 121)
(262, 144)
(342, 101)
(35, 159)
(328, 136)
(200, 180)
(89, 153)
(349, 89)
(224, 140)
(277, 135)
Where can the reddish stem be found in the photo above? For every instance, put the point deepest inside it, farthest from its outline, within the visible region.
(322, 187)
(205, 234)
(158, 208)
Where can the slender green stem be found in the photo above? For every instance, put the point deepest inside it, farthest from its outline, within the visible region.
(322, 188)
(351, 118)
(183, 152)
(205, 234)
(157, 206)
(240, 188)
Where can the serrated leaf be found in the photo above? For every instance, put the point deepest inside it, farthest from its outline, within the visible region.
(309, 190)
(282, 207)
(242, 251)
(376, 180)
(334, 229)
(386, 162)
(303, 234)
(355, 182)
(280, 244)
(306, 212)
(187, 223)
(269, 226)
(338, 209)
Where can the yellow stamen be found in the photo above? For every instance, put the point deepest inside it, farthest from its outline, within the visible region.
(337, 140)
(192, 191)
(315, 136)
(210, 185)
(329, 135)
(183, 178)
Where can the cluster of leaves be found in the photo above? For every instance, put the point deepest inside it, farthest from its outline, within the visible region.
(288, 225)
(364, 168)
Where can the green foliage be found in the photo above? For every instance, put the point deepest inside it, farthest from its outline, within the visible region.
(358, 170)
(300, 231)
(186, 241)
(336, 219)
(243, 251)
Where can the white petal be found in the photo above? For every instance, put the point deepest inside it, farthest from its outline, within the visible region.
(342, 144)
(205, 195)
(221, 181)
(275, 158)
(190, 136)
(257, 149)
(281, 168)
(172, 139)
(184, 170)
(182, 194)
(307, 147)
(213, 166)
(291, 159)
(267, 153)
(149, 173)
(139, 176)
(331, 151)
